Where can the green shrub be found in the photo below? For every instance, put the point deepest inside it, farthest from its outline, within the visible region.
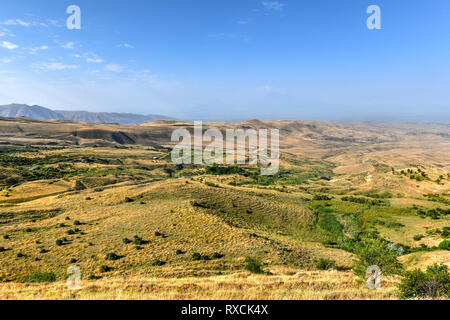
(112, 257)
(220, 170)
(2, 249)
(376, 252)
(158, 263)
(77, 223)
(418, 237)
(41, 277)
(217, 255)
(445, 232)
(59, 242)
(126, 241)
(326, 264)
(73, 260)
(433, 283)
(128, 200)
(138, 240)
(253, 265)
(179, 252)
(445, 245)
(319, 197)
(197, 257)
(104, 269)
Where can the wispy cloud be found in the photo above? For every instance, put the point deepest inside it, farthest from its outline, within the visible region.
(16, 22)
(126, 45)
(6, 60)
(243, 21)
(94, 60)
(26, 24)
(53, 66)
(34, 50)
(67, 45)
(8, 45)
(273, 5)
(113, 68)
(89, 57)
(5, 32)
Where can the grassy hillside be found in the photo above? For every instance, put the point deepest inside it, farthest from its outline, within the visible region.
(108, 199)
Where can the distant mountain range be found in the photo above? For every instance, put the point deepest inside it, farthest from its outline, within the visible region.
(41, 113)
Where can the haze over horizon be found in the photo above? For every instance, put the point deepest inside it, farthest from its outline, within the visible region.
(230, 60)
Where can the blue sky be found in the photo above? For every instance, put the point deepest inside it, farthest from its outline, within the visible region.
(230, 59)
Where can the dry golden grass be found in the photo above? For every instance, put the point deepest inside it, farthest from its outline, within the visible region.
(422, 260)
(285, 284)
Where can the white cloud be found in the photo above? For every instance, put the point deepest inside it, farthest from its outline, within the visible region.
(113, 68)
(36, 49)
(5, 32)
(8, 45)
(273, 5)
(94, 60)
(68, 45)
(127, 45)
(16, 22)
(22, 23)
(90, 57)
(53, 66)
(6, 60)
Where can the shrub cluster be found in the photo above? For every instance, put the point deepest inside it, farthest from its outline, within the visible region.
(372, 202)
(435, 214)
(326, 264)
(253, 265)
(41, 277)
(434, 282)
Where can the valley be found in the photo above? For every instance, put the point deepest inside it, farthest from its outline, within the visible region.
(107, 198)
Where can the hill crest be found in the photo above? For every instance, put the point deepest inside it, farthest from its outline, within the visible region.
(41, 113)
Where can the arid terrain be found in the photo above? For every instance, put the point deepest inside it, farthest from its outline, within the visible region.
(108, 199)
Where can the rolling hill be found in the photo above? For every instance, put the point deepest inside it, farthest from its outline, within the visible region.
(41, 113)
(108, 199)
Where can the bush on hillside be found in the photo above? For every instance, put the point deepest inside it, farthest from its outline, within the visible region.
(253, 265)
(376, 252)
(41, 277)
(435, 282)
(326, 264)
